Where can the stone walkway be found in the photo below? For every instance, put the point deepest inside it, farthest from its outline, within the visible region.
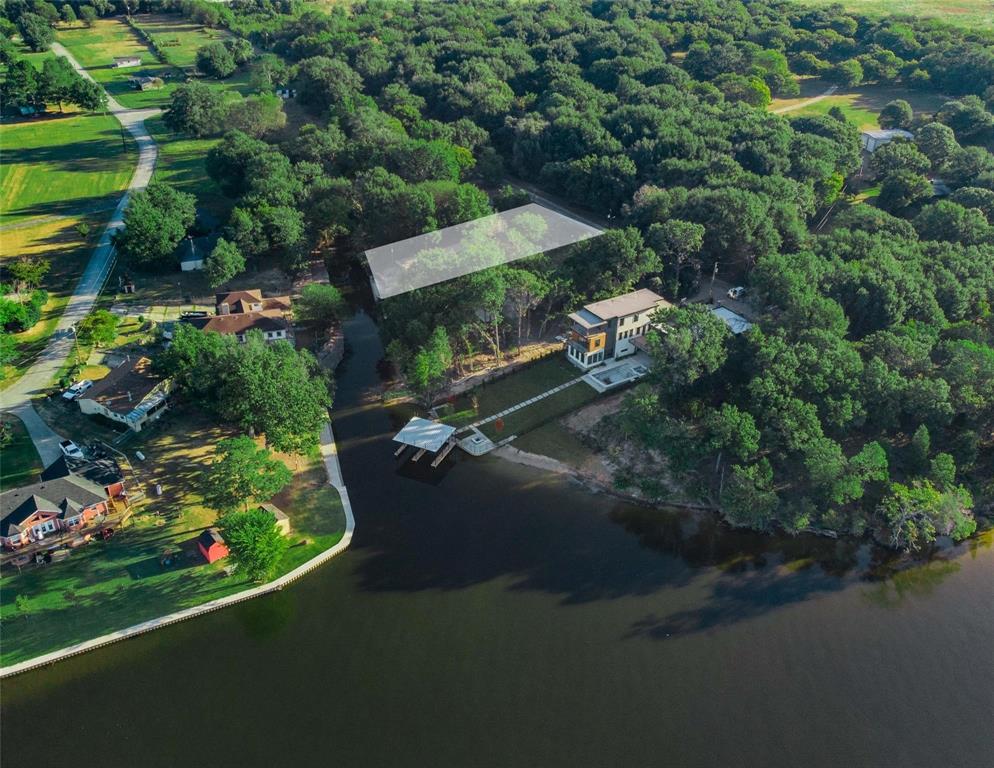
(16, 399)
(524, 404)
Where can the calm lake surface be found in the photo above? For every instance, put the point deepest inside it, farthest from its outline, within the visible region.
(492, 615)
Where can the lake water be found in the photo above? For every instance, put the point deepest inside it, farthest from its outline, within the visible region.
(492, 615)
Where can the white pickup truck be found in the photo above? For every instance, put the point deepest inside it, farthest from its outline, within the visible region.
(77, 389)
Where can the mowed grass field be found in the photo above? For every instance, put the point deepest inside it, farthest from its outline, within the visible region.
(58, 172)
(178, 38)
(861, 105)
(95, 49)
(60, 242)
(972, 14)
(62, 164)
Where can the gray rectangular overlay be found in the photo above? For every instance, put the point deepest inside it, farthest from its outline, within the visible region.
(466, 248)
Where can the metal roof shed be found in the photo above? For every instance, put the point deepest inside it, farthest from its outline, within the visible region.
(424, 434)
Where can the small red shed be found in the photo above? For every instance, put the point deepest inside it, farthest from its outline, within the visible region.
(212, 546)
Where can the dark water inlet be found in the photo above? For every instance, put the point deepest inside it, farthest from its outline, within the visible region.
(505, 617)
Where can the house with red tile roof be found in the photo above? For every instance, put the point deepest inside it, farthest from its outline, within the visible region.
(238, 312)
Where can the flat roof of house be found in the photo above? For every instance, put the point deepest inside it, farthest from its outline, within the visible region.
(736, 323)
(103, 472)
(586, 318)
(123, 389)
(422, 433)
(627, 304)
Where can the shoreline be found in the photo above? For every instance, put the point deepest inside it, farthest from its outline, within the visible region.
(329, 452)
(549, 464)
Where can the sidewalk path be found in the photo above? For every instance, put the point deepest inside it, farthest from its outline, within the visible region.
(16, 399)
(806, 102)
(330, 453)
(526, 403)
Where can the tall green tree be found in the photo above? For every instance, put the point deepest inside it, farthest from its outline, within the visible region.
(196, 109)
(98, 328)
(223, 263)
(319, 305)
(155, 220)
(254, 542)
(692, 344)
(427, 371)
(242, 474)
(914, 515)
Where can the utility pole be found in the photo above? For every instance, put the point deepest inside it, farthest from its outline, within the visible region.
(714, 274)
(75, 338)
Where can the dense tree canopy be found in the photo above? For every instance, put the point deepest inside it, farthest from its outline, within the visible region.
(873, 321)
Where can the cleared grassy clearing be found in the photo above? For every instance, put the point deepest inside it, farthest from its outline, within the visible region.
(111, 585)
(95, 49)
(526, 419)
(181, 163)
(972, 14)
(176, 37)
(552, 439)
(21, 463)
(62, 165)
(861, 105)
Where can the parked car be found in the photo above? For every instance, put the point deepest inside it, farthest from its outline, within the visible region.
(71, 450)
(77, 389)
(737, 292)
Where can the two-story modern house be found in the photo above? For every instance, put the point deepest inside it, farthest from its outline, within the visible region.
(239, 312)
(606, 330)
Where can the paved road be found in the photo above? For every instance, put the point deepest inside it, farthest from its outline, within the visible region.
(17, 398)
(806, 102)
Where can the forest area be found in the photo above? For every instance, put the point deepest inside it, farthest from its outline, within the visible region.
(862, 400)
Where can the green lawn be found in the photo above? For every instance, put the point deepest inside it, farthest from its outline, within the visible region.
(554, 440)
(60, 242)
(505, 392)
(862, 104)
(176, 37)
(21, 463)
(114, 584)
(181, 163)
(526, 419)
(62, 165)
(95, 49)
(972, 14)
